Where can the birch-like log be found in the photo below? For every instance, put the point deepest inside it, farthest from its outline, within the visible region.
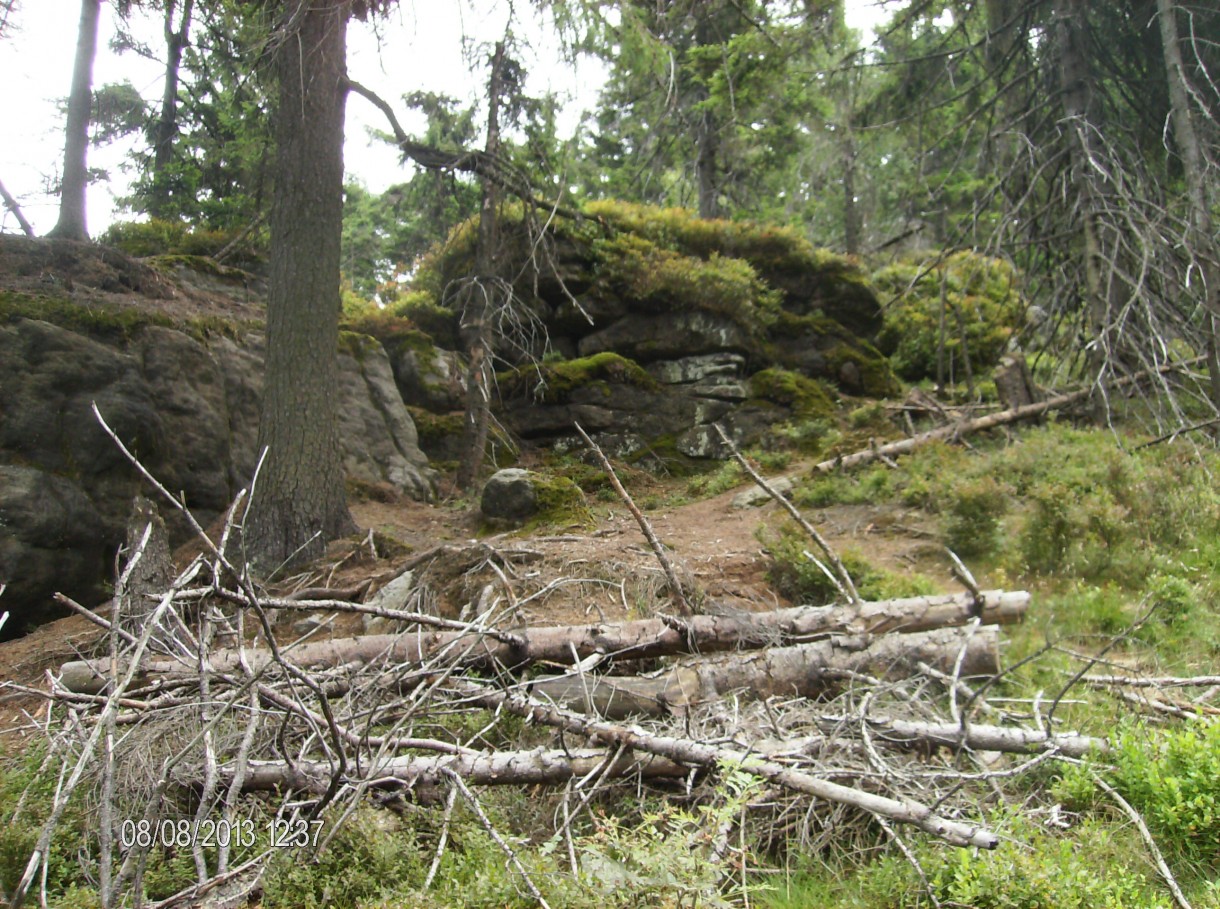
(805, 670)
(562, 644)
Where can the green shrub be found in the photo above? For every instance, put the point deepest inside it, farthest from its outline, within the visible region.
(142, 239)
(972, 523)
(1171, 776)
(724, 478)
(797, 577)
(983, 290)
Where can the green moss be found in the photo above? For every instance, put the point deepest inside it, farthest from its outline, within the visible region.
(358, 345)
(200, 264)
(105, 321)
(560, 503)
(659, 279)
(875, 377)
(802, 395)
(554, 383)
(425, 313)
(435, 429)
(142, 239)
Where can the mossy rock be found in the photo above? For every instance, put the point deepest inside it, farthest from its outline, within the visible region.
(202, 265)
(440, 434)
(104, 320)
(425, 313)
(531, 500)
(861, 369)
(553, 383)
(805, 397)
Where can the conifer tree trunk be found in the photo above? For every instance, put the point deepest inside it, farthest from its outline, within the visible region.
(300, 502)
(166, 127)
(72, 223)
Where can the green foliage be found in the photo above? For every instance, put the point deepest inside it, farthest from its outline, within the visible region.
(27, 794)
(554, 382)
(371, 857)
(1171, 776)
(797, 577)
(640, 270)
(155, 237)
(806, 398)
(440, 323)
(220, 170)
(972, 525)
(1032, 868)
(981, 297)
(725, 477)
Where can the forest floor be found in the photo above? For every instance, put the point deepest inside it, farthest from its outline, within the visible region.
(613, 574)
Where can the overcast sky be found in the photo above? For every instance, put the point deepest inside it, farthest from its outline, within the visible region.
(420, 48)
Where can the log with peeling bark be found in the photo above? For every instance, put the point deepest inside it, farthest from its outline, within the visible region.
(554, 766)
(628, 640)
(898, 733)
(805, 670)
(503, 768)
(702, 754)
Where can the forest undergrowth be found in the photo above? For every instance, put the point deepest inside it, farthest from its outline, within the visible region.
(1118, 542)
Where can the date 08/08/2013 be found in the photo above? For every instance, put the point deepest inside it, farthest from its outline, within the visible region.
(186, 833)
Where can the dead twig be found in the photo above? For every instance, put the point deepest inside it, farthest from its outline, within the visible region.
(675, 586)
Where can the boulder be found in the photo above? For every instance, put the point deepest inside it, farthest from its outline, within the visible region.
(187, 405)
(509, 495)
(666, 336)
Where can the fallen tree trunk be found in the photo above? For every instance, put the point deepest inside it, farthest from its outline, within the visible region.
(564, 644)
(978, 424)
(686, 751)
(498, 768)
(805, 670)
(896, 733)
(424, 775)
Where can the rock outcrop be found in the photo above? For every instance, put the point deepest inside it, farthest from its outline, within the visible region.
(186, 403)
(657, 331)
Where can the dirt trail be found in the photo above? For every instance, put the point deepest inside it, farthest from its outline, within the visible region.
(565, 575)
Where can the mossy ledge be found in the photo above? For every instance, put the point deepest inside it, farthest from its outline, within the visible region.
(802, 395)
(553, 383)
(105, 321)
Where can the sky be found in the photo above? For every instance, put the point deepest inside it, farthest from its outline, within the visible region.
(419, 47)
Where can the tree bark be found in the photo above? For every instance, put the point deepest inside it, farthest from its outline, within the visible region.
(1194, 170)
(707, 132)
(1013, 383)
(72, 224)
(299, 502)
(166, 127)
(806, 670)
(476, 321)
(1076, 86)
(642, 639)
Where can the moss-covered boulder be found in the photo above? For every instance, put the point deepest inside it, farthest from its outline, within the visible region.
(982, 304)
(661, 319)
(513, 496)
